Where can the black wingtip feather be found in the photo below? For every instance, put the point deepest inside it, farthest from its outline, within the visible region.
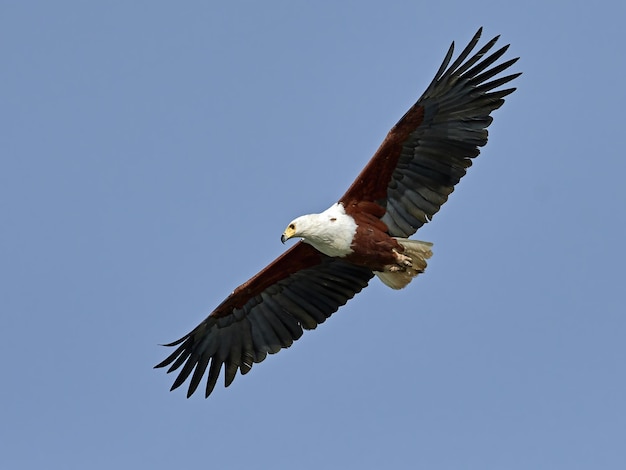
(198, 372)
(464, 53)
(214, 372)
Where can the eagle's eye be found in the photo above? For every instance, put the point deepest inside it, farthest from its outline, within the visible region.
(292, 227)
(333, 219)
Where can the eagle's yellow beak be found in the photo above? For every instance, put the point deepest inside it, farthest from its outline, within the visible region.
(289, 232)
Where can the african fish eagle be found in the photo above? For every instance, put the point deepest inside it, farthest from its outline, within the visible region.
(364, 234)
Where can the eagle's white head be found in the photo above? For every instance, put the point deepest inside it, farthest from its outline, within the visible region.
(330, 232)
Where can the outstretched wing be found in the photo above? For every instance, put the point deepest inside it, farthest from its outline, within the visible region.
(429, 150)
(299, 290)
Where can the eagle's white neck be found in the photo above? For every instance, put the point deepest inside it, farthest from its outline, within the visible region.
(330, 232)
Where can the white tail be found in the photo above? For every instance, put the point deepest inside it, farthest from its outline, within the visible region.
(399, 276)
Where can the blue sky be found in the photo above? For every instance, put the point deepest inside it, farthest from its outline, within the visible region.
(152, 154)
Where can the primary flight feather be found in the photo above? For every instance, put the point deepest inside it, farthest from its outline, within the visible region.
(364, 234)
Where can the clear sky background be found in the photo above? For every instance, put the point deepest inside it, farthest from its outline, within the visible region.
(151, 154)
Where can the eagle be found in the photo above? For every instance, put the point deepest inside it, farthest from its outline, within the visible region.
(364, 234)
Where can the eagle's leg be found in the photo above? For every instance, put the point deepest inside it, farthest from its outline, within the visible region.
(402, 260)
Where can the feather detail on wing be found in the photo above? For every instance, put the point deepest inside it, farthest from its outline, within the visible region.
(297, 292)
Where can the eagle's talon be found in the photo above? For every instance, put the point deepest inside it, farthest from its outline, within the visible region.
(403, 260)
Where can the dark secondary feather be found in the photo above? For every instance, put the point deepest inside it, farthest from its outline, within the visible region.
(429, 150)
(411, 175)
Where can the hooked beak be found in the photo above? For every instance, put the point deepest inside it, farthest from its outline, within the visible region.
(288, 233)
